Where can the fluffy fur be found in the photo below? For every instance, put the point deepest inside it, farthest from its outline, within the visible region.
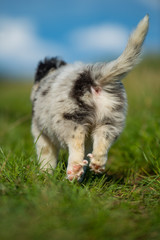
(83, 107)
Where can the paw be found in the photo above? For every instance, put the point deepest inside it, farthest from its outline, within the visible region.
(97, 165)
(76, 171)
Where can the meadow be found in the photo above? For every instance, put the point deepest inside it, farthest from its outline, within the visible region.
(123, 203)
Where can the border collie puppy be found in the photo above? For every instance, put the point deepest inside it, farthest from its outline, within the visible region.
(82, 107)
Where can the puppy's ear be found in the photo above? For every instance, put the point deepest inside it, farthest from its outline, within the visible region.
(118, 68)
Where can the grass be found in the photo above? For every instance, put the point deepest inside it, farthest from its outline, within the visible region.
(124, 203)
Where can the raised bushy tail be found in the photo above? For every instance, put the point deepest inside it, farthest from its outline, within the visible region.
(118, 68)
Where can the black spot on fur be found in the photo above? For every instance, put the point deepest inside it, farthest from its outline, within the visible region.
(73, 136)
(45, 92)
(46, 65)
(58, 121)
(82, 85)
(34, 100)
(77, 116)
(75, 128)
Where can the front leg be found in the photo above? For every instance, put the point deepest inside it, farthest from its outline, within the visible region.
(102, 140)
(76, 162)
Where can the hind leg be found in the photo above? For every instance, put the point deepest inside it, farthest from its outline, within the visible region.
(46, 151)
(101, 144)
(76, 162)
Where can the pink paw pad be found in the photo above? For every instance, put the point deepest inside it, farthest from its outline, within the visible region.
(95, 167)
(77, 168)
(76, 171)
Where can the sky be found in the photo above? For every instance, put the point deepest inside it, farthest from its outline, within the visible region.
(84, 30)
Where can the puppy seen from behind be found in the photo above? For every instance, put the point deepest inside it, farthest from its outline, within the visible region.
(82, 107)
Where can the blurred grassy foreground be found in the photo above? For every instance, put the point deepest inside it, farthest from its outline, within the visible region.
(122, 204)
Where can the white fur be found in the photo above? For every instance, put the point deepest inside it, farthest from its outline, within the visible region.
(65, 114)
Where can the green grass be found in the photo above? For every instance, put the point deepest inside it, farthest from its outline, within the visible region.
(124, 203)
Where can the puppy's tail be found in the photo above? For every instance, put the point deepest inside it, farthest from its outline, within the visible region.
(43, 68)
(118, 68)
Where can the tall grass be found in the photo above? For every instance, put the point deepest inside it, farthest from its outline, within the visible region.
(124, 203)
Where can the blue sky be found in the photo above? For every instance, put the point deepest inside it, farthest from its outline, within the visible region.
(84, 30)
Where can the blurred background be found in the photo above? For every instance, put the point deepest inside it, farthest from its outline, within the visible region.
(36, 205)
(86, 30)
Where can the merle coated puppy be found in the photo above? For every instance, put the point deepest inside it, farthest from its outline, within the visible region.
(82, 106)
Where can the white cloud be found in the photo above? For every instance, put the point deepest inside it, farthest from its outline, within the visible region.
(101, 38)
(20, 47)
